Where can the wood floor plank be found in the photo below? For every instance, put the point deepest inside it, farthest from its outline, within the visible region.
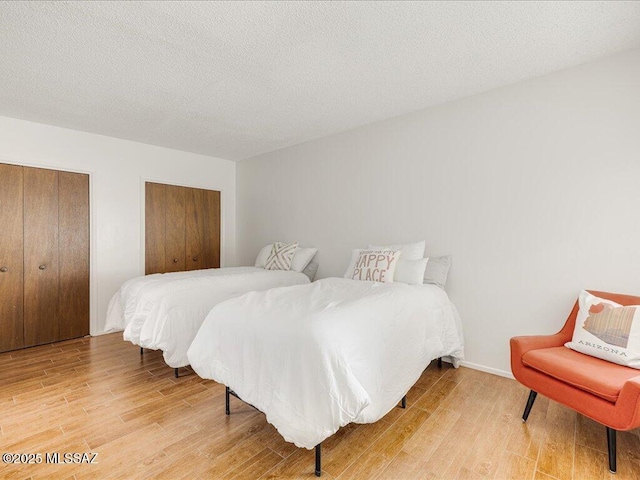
(431, 434)
(557, 452)
(390, 443)
(455, 449)
(100, 395)
(589, 463)
(255, 466)
(355, 440)
(434, 396)
(515, 467)
(403, 466)
(591, 434)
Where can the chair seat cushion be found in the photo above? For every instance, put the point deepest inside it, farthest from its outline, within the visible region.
(599, 377)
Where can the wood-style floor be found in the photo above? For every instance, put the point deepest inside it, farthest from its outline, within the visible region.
(99, 395)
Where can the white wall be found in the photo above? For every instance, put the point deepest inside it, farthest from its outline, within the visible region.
(533, 188)
(117, 170)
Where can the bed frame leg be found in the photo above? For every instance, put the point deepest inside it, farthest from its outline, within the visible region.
(227, 408)
(141, 350)
(175, 372)
(319, 460)
(404, 402)
(440, 362)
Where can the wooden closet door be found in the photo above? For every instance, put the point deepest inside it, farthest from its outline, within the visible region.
(175, 229)
(155, 219)
(11, 258)
(212, 229)
(202, 228)
(40, 256)
(73, 251)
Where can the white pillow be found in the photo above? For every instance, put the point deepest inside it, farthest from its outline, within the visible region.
(281, 256)
(410, 271)
(376, 265)
(410, 251)
(437, 270)
(301, 258)
(261, 259)
(607, 330)
(355, 253)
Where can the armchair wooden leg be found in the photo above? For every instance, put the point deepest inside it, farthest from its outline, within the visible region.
(611, 443)
(527, 409)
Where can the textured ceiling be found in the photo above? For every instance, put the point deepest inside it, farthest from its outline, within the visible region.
(236, 79)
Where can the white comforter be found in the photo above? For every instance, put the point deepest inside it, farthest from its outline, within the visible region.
(165, 311)
(316, 357)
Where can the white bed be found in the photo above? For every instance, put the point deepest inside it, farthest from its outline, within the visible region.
(316, 357)
(165, 311)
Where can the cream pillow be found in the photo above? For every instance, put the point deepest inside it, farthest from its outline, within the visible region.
(437, 270)
(376, 265)
(607, 330)
(281, 256)
(264, 253)
(301, 258)
(410, 251)
(410, 271)
(355, 253)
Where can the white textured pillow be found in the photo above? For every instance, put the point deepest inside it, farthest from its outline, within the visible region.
(261, 259)
(410, 251)
(437, 270)
(410, 271)
(355, 253)
(302, 258)
(376, 265)
(607, 330)
(281, 256)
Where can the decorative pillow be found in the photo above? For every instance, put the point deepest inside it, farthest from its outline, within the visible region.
(410, 251)
(607, 330)
(281, 256)
(311, 270)
(376, 265)
(410, 271)
(355, 254)
(437, 270)
(302, 258)
(261, 259)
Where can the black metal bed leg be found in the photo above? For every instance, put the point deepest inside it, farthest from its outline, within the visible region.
(440, 362)
(227, 407)
(319, 460)
(404, 402)
(611, 444)
(141, 350)
(527, 409)
(175, 372)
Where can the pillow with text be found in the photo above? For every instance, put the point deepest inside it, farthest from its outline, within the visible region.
(607, 330)
(376, 265)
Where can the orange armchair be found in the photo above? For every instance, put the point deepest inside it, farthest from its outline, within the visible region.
(603, 391)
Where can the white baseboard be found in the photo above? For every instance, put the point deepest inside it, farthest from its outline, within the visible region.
(482, 368)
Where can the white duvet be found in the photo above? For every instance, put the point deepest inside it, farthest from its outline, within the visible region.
(165, 311)
(316, 357)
